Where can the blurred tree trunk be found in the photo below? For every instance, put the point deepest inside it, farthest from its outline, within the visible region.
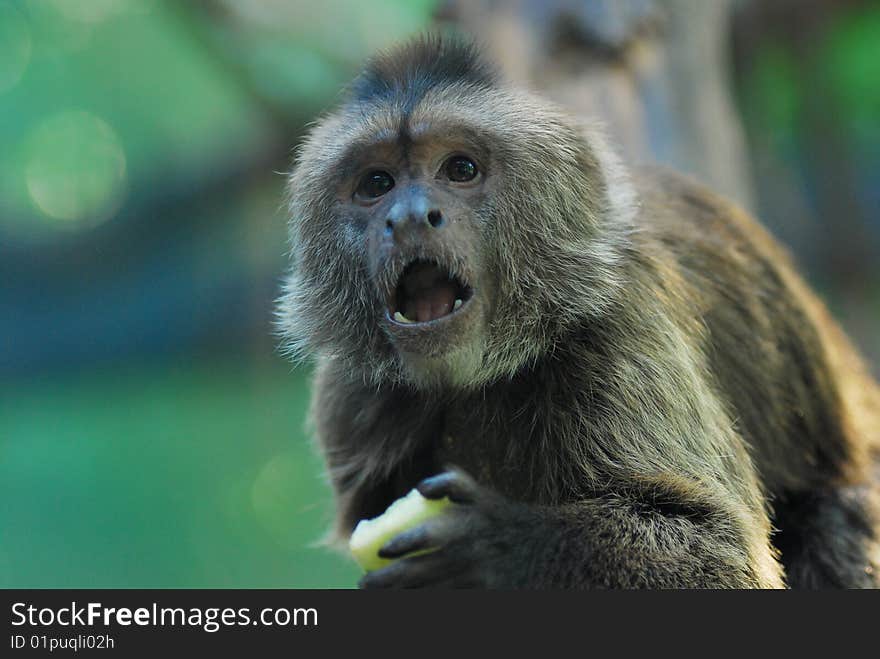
(655, 72)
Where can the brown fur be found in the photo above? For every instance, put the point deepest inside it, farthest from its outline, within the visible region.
(643, 386)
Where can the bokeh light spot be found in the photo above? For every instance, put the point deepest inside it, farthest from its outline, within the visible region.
(75, 168)
(15, 46)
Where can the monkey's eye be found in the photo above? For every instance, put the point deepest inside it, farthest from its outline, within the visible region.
(460, 169)
(375, 184)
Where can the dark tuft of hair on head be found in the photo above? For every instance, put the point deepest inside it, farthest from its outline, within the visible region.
(410, 70)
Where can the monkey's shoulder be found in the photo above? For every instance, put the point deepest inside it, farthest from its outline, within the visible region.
(680, 211)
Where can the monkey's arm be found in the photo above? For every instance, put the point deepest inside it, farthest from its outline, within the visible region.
(372, 443)
(659, 534)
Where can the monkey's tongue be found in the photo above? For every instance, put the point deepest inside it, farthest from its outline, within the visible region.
(427, 292)
(430, 303)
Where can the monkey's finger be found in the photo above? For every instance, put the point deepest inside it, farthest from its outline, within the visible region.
(415, 539)
(400, 574)
(414, 572)
(455, 484)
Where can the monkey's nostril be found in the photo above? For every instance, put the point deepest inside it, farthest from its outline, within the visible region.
(389, 226)
(435, 218)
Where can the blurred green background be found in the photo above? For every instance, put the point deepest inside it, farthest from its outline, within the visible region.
(150, 433)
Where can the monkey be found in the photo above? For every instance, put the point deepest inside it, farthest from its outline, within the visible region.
(616, 376)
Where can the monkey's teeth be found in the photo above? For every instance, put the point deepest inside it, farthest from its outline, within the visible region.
(457, 303)
(400, 318)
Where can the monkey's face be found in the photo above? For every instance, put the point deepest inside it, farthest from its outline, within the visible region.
(417, 203)
(445, 239)
(394, 245)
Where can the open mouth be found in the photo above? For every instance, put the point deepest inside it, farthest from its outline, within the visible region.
(425, 293)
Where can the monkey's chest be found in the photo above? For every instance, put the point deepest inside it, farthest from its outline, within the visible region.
(491, 451)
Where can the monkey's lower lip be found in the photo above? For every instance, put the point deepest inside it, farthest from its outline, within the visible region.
(427, 293)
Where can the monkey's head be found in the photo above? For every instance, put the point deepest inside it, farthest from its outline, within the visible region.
(446, 226)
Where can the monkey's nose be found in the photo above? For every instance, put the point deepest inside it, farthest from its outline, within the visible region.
(405, 217)
(433, 217)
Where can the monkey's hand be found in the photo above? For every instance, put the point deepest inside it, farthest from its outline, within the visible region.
(465, 546)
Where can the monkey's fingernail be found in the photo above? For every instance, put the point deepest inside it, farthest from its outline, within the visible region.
(457, 304)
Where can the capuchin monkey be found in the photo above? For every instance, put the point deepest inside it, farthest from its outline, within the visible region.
(616, 376)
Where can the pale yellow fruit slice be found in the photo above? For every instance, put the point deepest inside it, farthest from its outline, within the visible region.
(405, 513)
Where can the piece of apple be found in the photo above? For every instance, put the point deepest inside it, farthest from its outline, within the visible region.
(405, 513)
